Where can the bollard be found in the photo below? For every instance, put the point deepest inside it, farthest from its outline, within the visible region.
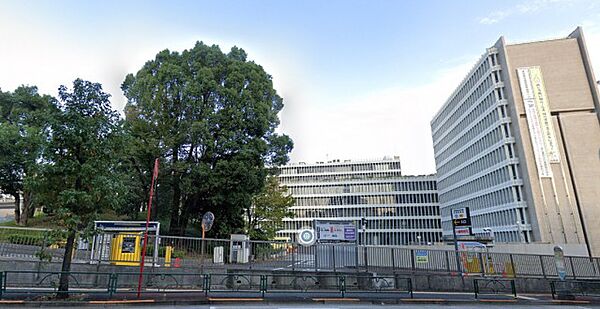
(168, 253)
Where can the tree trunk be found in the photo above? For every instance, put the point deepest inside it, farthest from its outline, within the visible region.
(175, 226)
(63, 284)
(28, 209)
(17, 208)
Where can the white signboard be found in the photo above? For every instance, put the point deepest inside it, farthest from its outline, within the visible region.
(539, 121)
(459, 213)
(462, 231)
(335, 230)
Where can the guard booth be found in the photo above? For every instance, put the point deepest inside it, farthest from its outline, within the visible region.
(120, 242)
(239, 251)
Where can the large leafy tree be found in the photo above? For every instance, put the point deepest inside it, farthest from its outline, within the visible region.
(268, 210)
(79, 175)
(211, 118)
(24, 118)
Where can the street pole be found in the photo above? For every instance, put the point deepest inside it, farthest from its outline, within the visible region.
(140, 279)
(456, 249)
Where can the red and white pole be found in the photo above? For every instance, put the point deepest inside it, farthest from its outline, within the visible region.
(154, 175)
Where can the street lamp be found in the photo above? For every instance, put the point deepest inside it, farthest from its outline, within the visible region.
(419, 239)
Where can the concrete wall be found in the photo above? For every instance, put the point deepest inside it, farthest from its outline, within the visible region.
(563, 207)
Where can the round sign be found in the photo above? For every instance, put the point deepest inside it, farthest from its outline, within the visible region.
(207, 221)
(306, 237)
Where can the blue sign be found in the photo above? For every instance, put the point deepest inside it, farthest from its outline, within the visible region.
(422, 256)
(350, 233)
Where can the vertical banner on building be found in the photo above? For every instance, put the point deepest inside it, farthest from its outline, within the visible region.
(543, 112)
(539, 121)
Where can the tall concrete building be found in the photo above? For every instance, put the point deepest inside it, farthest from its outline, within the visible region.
(519, 143)
(398, 209)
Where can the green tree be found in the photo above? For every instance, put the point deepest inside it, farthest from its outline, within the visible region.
(24, 118)
(269, 207)
(78, 177)
(211, 118)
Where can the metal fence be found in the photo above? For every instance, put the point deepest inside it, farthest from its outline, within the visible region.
(20, 284)
(172, 251)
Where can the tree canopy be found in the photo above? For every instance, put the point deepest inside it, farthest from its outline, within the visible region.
(77, 177)
(211, 118)
(24, 122)
(268, 210)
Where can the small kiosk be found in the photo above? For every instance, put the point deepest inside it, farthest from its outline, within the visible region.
(239, 249)
(120, 242)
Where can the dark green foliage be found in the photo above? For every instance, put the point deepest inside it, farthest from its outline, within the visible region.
(79, 175)
(24, 122)
(210, 117)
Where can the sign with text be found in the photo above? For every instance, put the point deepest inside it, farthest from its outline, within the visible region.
(539, 120)
(461, 217)
(421, 256)
(462, 231)
(334, 231)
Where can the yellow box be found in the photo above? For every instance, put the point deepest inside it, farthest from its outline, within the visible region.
(126, 249)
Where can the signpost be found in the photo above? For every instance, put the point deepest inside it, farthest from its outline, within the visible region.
(461, 225)
(207, 222)
(149, 210)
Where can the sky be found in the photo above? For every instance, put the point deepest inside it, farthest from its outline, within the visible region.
(359, 79)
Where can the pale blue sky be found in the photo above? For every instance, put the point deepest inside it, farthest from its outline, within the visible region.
(360, 79)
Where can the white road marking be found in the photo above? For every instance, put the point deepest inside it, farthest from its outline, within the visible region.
(526, 297)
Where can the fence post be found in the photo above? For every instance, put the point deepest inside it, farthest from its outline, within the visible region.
(447, 261)
(541, 263)
(316, 257)
(293, 257)
(357, 262)
(366, 257)
(333, 257)
(481, 266)
(2, 285)
(512, 265)
(263, 285)
(572, 267)
(594, 270)
(206, 284)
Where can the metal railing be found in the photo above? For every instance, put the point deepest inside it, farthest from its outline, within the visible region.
(120, 249)
(21, 284)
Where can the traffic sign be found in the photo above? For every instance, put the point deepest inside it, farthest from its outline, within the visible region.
(307, 237)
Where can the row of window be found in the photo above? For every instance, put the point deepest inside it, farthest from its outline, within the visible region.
(491, 137)
(388, 238)
(486, 106)
(506, 196)
(362, 187)
(360, 212)
(377, 224)
(491, 120)
(283, 179)
(491, 158)
(414, 198)
(472, 81)
(354, 167)
(489, 180)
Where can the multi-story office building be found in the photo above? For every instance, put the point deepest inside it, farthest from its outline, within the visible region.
(397, 209)
(518, 142)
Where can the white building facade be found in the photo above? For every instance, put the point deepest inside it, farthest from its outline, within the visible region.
(398, 210)
(475, 157)
(517, 142)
